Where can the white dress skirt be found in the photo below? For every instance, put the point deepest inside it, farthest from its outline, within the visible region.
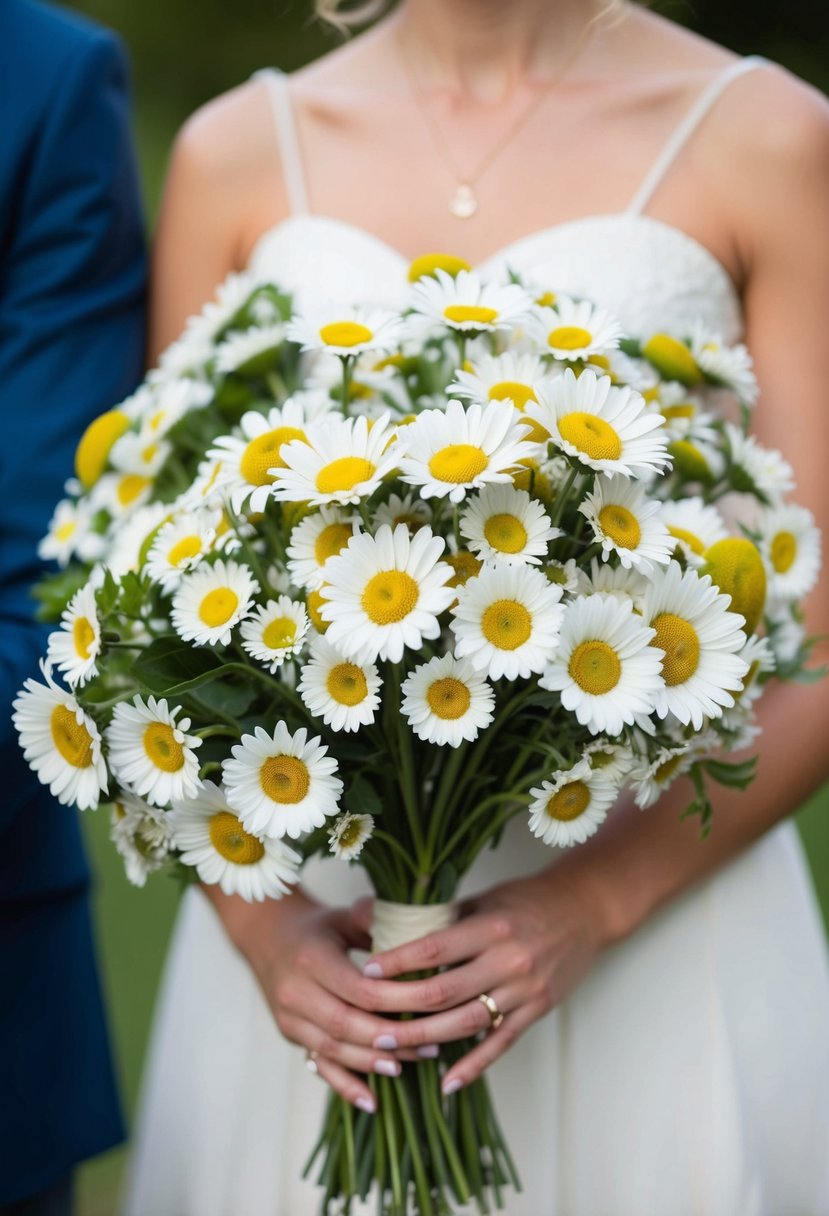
(688, 1075)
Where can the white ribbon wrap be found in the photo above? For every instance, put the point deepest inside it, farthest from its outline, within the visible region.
(396, 924)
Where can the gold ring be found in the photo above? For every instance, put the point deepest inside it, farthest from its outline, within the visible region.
(311, 1061)
(495, 1015)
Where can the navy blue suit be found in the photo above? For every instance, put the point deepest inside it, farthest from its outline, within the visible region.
(72, 279)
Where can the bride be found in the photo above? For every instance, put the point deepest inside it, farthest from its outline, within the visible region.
(665, 1043)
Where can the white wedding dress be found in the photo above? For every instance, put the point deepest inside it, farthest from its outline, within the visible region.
(689, 1074)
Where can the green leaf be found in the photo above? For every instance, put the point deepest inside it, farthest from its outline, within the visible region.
(362, 798)
(230, 698)
(55, 591)
(108, 594)
(170, 664)
(737, 775)
(445, 882)
(133, 594)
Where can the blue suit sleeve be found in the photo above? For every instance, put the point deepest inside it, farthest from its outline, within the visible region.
(72, 280)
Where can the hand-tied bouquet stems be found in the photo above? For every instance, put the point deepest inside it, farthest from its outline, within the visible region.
(371, 582)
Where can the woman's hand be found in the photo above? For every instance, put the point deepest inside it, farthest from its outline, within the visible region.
(526, 943)
(298, 950)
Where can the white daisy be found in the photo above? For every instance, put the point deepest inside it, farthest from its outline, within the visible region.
(612, 760)
(603, 427)
(170, 401)
(503, 524)
(728, 366)
(628, 586)
(790, 545)
(276, 631)
(142, 835)
(60, 742)
(343, 461)
(211, 601)
(445, 701)
(206, 489)
(349, 834)
(211, 838)
(281, 784)
(151, 752)
(576, 329)
(343, 693)
(755, 469)
(248, 460)
(69, 524)
(759, 656)
(605, 667)
(342, 330)
(180, 545)
(564, 574)
(694, 525)
(628, 523)
(315, 538)
(465, 304)
(385, 592)
(250, 352)
(650, 778)
(130, 543)
(696, 460)
(509, 377)
(409, 510)
(507, 620)
(451, 452)
(786, 632)
(139, 452)
(74, 648)
(572, 806)
(120, 493)
(699, 639)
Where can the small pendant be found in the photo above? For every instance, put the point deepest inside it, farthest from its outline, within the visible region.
(464, 204)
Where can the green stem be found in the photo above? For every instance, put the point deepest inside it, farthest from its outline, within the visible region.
(346, 383)
(398, 850)
(208, 732)
(563, 494)
(421, 1183)
(387, 1114)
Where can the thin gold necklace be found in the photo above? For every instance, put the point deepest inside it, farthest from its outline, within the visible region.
(464, 203)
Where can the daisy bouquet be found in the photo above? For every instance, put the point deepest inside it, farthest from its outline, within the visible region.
(371, 583)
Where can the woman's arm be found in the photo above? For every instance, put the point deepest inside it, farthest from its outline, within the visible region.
(530, 942)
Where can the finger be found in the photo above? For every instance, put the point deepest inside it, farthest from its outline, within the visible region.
(452, 987)
(358, 1059)
(456, 944)
(345, 1023)
(346, 1084)
(469, 1067)
(465, 1021)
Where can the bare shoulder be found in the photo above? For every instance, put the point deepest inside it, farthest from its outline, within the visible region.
(227, 135)
(779, 117)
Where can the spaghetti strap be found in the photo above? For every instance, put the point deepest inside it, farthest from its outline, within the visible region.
(686, 128)
(276, 83)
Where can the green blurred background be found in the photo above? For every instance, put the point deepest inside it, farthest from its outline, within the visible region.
(183, 53)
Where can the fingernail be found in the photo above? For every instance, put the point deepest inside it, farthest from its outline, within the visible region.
(373, 971)
(386, 1042)
(366, 1104)
(389, 1068)
(429, 1052)
(451, 1087)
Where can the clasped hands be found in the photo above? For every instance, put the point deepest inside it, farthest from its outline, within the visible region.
(525, 943)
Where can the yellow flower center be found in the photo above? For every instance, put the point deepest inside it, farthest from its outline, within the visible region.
(685, 409)
(518, 394)
(149, 453)
(667, 769)
(505, 533)
(231, 841)
(344, 474)
(783, 551)
(569, 802)
(465, 566)
(346, 684)
(590, 434)
(96, 442)
(600, 759)
(595, 667)
(66, 530)
(448, 698)
(569, 337)
(691, 540)
(218, 606)
(678, 638)
(285, 779)
(689, 460)
(470, 314)
(71, 737)
(736, 567)
(547, 299)
(672, 359)
(279, 633)
(130, 487)
(459, 463)
(530, 477)
(162, 747)
(83, 635)
(428, 263)
(620, 525)
(350, 833)
(389, 597)
(331, 541)
(506, 624)
(345, 333)
(262, 454)
(183, 550)
(313, 602)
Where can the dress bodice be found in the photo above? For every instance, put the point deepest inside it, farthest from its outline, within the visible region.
(651, 275)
